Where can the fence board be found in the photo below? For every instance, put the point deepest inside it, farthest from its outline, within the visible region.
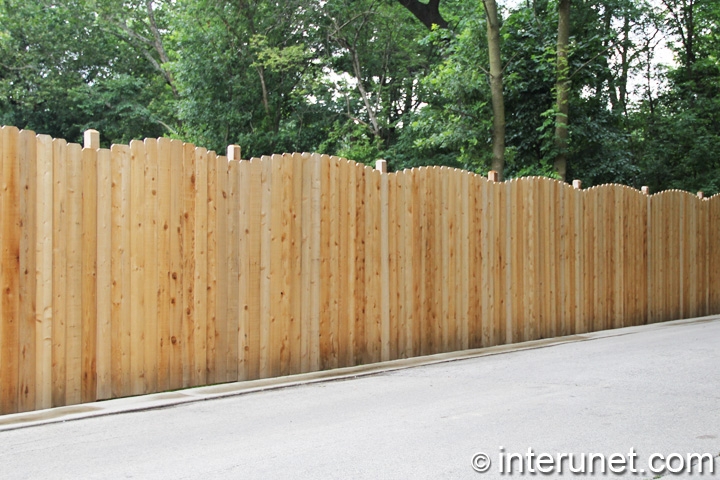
(332, 257)
(105, 339)
(164, 273)
(306, 260)
(235, 353)
(59, 316)
(325, 319)
(151, 285)
(386, 342)
(352, 261)
(296, 298)
(9, 271)
(361, 248)
(89, 274)
(177, 264)
(74, 347)
(213, 328)
(27, 322)
(464, 267)
(137, 265)
(44, 272)
(344, 292)
(266, 255)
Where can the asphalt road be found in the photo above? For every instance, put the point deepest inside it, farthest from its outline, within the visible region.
(654, 389)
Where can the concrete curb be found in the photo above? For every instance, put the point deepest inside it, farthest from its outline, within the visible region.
(197, 394)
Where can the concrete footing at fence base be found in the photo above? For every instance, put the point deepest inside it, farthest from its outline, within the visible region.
(198, 394)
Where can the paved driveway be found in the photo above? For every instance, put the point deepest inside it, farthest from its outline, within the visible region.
(653, 389)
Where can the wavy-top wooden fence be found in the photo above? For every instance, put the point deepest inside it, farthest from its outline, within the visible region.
(160, 265)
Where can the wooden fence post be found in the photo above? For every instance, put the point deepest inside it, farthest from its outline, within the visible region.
(234, 152)
(700, 195)
(381, 165)
(577, 184)
(91, 139)
(645, 190)
(493, 176)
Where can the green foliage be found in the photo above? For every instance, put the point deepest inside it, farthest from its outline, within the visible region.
(365, 80)
(62, 71)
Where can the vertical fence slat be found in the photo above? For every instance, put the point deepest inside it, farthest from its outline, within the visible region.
(164, 266)
(464, 270)
(306, 261)
(74, 347)
(386, 343)
(399, 218)
(200, 290)
(344, 292)
(9, 270)
(59, 314)
(363, 264)
(434, 263)
(353, 260)
(266, 256)
(332, 258)
(446, 261)
(27, 324)
(137, 260)
(234, 291)
(315, 298)
(44, 272)
(214, 333)
(296, 292)
(151, 285)
(253, 189)
(188, 255)
(325, 320)
(177, 274)
(89, 274)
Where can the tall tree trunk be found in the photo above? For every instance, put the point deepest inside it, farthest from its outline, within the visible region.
(624, 64)
(496, 86)
(562, 88)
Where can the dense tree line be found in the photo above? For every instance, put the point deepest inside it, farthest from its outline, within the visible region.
(565, 88)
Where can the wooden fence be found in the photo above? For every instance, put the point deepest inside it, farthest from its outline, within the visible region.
(160, 265)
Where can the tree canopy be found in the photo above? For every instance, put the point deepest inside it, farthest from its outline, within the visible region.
(624, 91)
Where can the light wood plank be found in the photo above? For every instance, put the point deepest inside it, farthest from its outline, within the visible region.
(295, 212)
(266, 261)
(188, 256)
(177, 265)
(201, 266)
(44, 272)
(74, 278)
(384, 267)
(27, 321)
(165, 292)
(362, 263)
(234, 290)
(352, 261)
(9, 270)
(151, 285)
(254, 189)
(344, 293)
(224, 330)
(137, 261)
(89, 274)
(213, 331)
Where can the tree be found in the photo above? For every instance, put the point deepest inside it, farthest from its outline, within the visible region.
(562, 88)
(62, 72)
(496, 86)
